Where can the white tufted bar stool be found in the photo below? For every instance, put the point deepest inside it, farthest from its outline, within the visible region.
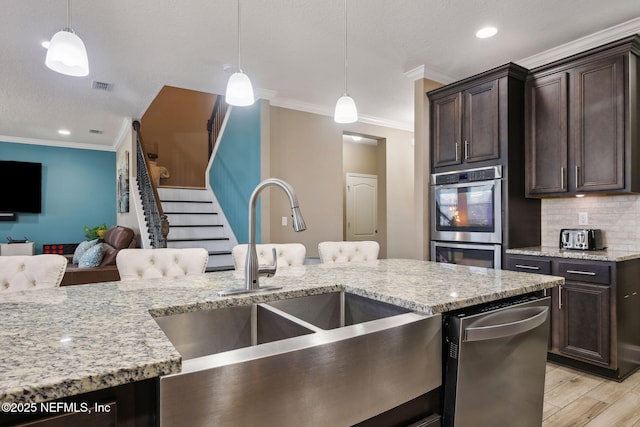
(288, 254)
(162, 262)
(21, 273)
(338, 252)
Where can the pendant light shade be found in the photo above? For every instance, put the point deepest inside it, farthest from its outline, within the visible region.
(239, 90)
(67, 53)
(346, 111)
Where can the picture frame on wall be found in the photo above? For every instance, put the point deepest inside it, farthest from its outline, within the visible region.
(123, 183)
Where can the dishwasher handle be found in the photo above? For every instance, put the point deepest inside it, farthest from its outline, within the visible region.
(504, 324)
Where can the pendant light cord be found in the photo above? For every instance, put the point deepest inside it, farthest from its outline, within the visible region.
(239, 67)
(69, 16)
(345, 47)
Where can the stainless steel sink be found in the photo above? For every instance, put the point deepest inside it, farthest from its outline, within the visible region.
(206, 332)
(337, 309)
(330, 359)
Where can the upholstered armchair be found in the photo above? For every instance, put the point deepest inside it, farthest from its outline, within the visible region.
(27, 272)
(288, 254)
(338, 252)
(115, 239)
(160, 263)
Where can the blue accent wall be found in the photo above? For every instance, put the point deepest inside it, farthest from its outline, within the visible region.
(78, 189)
(235, 171)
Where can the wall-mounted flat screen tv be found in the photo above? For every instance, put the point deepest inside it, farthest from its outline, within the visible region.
(20, 187)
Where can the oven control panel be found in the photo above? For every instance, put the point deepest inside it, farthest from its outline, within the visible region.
(471, 175)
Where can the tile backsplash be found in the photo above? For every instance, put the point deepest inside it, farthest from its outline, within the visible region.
(617, 216)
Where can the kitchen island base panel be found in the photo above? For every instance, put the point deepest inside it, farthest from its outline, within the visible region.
(128, 405)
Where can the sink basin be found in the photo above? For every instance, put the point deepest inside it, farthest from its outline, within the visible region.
(206, 332)
(337, 309)
(330, 359)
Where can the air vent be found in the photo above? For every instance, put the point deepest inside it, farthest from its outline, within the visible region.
(102, 86)
(96, 131)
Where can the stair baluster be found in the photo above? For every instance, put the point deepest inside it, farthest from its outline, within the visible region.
(157, 222)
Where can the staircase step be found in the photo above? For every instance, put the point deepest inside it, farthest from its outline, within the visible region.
(211, 245)
(189, 207)
(219, 261)
(191, 194)
(188, 219)
(196, 232)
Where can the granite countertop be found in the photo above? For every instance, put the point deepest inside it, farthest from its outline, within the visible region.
(552, 251)
(76, 339)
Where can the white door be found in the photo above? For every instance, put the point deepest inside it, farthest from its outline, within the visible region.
(362, 206)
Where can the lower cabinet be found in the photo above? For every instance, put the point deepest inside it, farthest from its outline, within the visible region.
(591, 312)
(584, 322)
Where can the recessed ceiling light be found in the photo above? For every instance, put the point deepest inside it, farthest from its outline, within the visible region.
(64, 132)
(356, 138)
(486, 32)
(45, 44)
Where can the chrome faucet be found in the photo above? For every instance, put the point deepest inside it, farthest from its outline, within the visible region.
(252, 269)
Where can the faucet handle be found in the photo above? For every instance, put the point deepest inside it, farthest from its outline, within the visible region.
(269, 270)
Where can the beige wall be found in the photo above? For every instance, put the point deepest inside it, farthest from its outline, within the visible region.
(306, 151)
(617, 216)
(175, 127)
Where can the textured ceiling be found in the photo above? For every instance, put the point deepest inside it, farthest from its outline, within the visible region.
(291, 49)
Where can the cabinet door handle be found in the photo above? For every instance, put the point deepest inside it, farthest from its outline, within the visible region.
(457, 152)
(466, 150)
(560, 297)
(584, 273)
(527, 267)
(562, 178)
(577, 176)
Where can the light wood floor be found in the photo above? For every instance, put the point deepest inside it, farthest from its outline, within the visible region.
(573, 398)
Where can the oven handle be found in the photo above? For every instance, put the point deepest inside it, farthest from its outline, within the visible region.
(494, 181)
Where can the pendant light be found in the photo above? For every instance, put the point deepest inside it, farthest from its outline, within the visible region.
(67, 54)
(239, 89)
(346, 111)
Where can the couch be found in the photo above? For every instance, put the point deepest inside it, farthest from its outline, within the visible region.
(115, 239)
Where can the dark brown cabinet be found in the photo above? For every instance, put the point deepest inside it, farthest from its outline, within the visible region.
(581, 123)
(592, 314)
(472, 120)
(584, 322)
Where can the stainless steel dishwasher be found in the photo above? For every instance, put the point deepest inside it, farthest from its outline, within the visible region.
(495, 363)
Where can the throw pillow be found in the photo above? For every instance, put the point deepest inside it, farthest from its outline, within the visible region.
(92, 257)
(82, 248)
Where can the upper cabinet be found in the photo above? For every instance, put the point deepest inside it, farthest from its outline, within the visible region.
(581, 123)
(472, 120)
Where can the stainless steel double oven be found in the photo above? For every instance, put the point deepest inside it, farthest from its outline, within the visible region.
(466, 217)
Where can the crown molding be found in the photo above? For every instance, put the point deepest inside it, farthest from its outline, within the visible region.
(422, 72)
(55, 143)
(582, 44)
(307, 107)
(268, 94)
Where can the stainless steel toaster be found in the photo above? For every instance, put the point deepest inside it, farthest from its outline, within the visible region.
(583, 239)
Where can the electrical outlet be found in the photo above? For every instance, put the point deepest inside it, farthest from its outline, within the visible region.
(284, 221)
(583, 218)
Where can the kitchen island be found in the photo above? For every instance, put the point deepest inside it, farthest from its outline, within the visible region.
(68, 341)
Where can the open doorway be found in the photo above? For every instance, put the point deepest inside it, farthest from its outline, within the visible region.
(364, 190)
